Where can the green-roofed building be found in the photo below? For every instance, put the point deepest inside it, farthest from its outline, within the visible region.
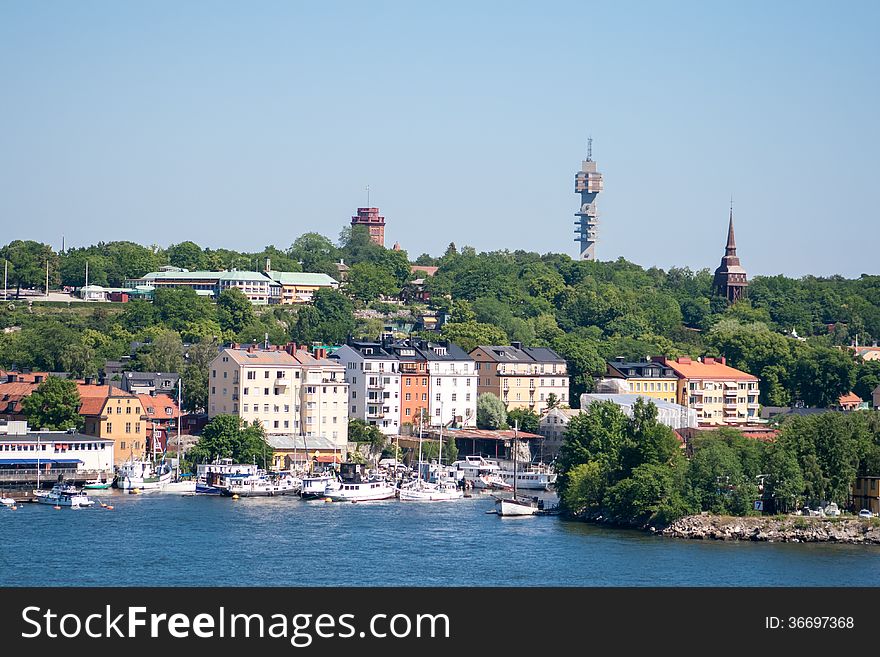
(261, 288)
(299, 287)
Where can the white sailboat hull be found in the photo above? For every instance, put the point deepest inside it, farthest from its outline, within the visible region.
(516, 508)
(428, 495)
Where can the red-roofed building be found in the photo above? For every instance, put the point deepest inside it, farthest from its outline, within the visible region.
(720, 394)
(162, 414)
(849, 402)
(112, 413)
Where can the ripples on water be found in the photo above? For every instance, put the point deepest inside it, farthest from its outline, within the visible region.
(160, 539)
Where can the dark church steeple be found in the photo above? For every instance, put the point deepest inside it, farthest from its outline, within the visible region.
(731, 280)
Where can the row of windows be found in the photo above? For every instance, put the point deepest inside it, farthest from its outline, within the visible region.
(521, 382)
(649, 387)
(137, 427)
(118, 410)
(75, 447)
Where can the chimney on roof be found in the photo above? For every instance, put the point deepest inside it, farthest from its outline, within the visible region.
(38, 378)
(619, 359)
(724, 360)
(684, 360)
(320, 353)
(268, 264)
(708, 360)
(516, 345)
(88, 380)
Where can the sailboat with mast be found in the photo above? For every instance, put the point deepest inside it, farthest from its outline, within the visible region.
(443, 490)
(516, 506)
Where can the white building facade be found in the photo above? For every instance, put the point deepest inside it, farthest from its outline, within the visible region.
(372, 371)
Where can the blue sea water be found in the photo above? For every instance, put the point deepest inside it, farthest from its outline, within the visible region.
(159, 539)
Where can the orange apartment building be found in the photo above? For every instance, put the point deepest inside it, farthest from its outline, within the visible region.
(114, 414)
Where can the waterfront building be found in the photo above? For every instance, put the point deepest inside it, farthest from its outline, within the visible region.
(522, 377)
(162, 417)
(730, 279)
(114, 414)
(323, 399)
(720, 394)
(414, 384)
(372, 371)
(369, 218)
(588, 182)
(646, 378)
(69, 453)
(294, 452)
(850, 402)
(452, 384)
(286, 390)
(300, 287)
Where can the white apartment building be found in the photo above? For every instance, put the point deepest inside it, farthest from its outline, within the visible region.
(452, 384)
(372, 371)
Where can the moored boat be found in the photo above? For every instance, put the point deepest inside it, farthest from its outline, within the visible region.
(98, 484)
(63, 494)
(210, 477)
(316, 487)
(355, 487)
(143, 475)
(516, 506)
(261, 484)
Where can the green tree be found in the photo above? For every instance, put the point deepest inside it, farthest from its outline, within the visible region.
(529, 421)
(316, 253)
(228, 436)
(188, 255)
(469, 335)
(163, 354)
(491, 413)
(27, 264)
(552, 401)
(234, 310)
(53, 405)
(196, 372)
(367, 282)
(182, 308)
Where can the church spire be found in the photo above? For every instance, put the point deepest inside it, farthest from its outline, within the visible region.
(730, 277)
(731, 240)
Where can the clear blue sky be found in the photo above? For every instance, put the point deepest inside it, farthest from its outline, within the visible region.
(243, 124)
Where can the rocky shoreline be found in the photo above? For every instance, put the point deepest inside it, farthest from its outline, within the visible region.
(782, 529)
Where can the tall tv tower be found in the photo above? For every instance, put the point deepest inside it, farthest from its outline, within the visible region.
(588, 183)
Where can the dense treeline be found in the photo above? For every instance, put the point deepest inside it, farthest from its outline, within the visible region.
(588, 311)
(634, 470)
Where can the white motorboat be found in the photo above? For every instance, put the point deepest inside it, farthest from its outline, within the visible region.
(143, 475)
(316, 487)
(481, 473)
(355, 487)
(363, 491)
(210, 477)
(531, 479)
(182, 486)
(262, 484)
(63, 494)
(423, 491)
(7, 501)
